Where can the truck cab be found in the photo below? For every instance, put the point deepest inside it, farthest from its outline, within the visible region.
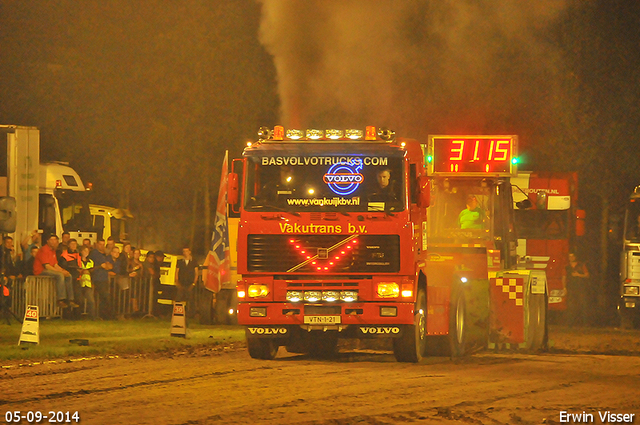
(64, 203)
(110, 221)
(629, 305)
(549, 227)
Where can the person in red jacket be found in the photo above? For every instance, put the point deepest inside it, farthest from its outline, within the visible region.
(46, 264)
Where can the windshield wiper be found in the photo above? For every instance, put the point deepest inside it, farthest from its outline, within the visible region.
(384, 210)
(295, 213)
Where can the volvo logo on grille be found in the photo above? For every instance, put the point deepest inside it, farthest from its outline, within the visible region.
(345, 177)
(268, 331)
(380, 330)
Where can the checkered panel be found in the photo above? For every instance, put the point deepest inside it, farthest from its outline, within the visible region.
(511, 286)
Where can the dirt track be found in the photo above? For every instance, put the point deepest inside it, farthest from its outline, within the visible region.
(360, 386)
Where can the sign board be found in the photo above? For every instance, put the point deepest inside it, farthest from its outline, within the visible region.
(179, 320)
(472, 156)
(30, 333)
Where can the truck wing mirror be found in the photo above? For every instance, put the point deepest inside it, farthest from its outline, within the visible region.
(581, 215)
(424, 189)
(541, 200)
(7, 214)
(232, 188)
(525, 204)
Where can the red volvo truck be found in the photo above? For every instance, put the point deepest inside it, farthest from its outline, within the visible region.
(549, 228)
(359, 234)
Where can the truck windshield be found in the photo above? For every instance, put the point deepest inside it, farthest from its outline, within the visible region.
(542, 224)
(74, 208)
(460, 209)
(632, 223)
(339, 183)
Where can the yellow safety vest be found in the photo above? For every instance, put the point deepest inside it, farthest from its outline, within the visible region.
(85, 278)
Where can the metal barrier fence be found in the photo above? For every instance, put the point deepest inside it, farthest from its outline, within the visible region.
(35, 290)
(129, 297)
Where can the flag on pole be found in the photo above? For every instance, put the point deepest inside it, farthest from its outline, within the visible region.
(218, 260)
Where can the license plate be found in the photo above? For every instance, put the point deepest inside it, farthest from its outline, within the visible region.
(321, 320)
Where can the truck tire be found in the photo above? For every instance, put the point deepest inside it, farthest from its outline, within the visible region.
(458, 324)
(455, 343)
(536, 322)
(410, 347)
(262, 348)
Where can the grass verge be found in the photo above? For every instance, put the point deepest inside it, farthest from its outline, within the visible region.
(109, 337)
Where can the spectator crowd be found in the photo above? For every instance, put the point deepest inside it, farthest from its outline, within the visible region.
(83, 272)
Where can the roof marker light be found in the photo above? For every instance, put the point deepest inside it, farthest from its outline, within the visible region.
(278, 132)
(334, 134)
(386, 134)
(314, 134)
(354, 134)
(370, 133)
(264, 133)
(295, 134)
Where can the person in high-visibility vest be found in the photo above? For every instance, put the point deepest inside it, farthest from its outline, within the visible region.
(86, 292)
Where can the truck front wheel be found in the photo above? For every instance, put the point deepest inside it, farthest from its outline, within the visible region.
(455, 343)
(458, 325)
(262, 348)
(410, 347)
(536, 322)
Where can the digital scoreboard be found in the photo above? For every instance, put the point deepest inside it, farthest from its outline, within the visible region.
(472, 155)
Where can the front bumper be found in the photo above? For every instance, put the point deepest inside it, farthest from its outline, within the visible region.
(630, 302)
(360, 319)
(631, 295)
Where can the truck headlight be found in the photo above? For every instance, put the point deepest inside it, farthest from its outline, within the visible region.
(258, 291)
(349, 296)
(330, 296)
(632, 290)
(388, 290)
(312, 296)
(294, 296)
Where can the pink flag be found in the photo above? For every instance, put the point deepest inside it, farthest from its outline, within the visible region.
(218, 269)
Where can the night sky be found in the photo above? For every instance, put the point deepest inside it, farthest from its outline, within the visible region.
(143, 97)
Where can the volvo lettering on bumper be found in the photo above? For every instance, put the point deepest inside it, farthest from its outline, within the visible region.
(380, 330)
(267, 331)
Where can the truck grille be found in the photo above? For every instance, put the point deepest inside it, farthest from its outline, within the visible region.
(355, 254)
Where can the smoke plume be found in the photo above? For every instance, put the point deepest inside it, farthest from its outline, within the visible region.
(417, 66)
